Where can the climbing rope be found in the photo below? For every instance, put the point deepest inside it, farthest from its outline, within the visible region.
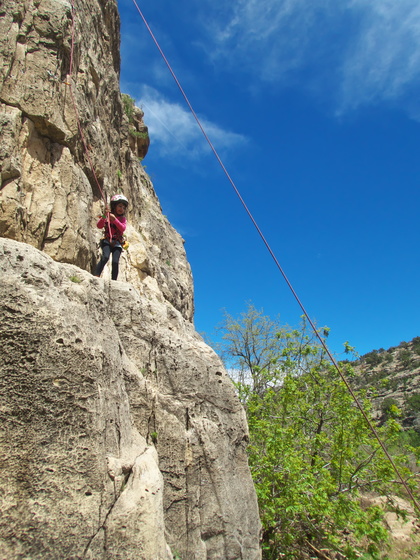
(79, 125)
(277, 263)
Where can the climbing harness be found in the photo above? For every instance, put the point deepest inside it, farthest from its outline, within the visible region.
(279, 267)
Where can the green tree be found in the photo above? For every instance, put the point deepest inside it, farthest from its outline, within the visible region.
(311, 453)
(259, 351)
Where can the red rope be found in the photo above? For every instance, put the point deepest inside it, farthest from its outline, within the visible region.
(79, 125)
(317, 334)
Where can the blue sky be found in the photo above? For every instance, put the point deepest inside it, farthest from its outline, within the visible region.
(314, 108)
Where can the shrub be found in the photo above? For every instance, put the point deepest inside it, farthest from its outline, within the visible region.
(137, 134)
(389, 408)
(413, 402)
(372, 358)
(416, 346)
(405, 357)
(128, 106)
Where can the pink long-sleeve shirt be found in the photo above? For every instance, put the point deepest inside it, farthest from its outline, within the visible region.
(117, 228)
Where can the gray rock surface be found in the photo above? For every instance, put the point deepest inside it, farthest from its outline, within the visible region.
(117, 420)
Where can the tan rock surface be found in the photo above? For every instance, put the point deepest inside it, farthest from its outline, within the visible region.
(51, 186)
(99, 386)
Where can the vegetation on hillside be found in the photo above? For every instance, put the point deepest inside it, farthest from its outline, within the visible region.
(311, 453)
(392, 378)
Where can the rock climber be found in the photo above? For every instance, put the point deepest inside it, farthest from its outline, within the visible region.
(114, 223)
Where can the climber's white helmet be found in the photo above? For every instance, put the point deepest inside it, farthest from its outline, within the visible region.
(119, 198)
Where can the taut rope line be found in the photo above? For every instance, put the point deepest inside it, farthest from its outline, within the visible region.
(332, 359)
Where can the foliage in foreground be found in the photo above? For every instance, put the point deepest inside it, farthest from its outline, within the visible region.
(311, 453)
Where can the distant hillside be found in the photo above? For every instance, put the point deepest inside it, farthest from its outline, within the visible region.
(392, 378)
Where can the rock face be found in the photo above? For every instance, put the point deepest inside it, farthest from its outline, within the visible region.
(121, 436)
(99, 385)
(51, 181)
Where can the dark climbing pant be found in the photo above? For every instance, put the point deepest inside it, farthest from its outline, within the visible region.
(107, 249)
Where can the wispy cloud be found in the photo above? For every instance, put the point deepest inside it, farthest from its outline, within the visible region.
(383, 62)
(355, 51)
(173, 128)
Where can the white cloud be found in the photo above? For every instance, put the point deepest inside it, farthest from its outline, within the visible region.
(173, 129)
(353, 51)
(273, 37)
(384, 61)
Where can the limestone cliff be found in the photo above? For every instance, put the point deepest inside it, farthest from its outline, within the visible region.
(121, 436)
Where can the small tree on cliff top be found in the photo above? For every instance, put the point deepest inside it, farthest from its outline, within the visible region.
(310, 452)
